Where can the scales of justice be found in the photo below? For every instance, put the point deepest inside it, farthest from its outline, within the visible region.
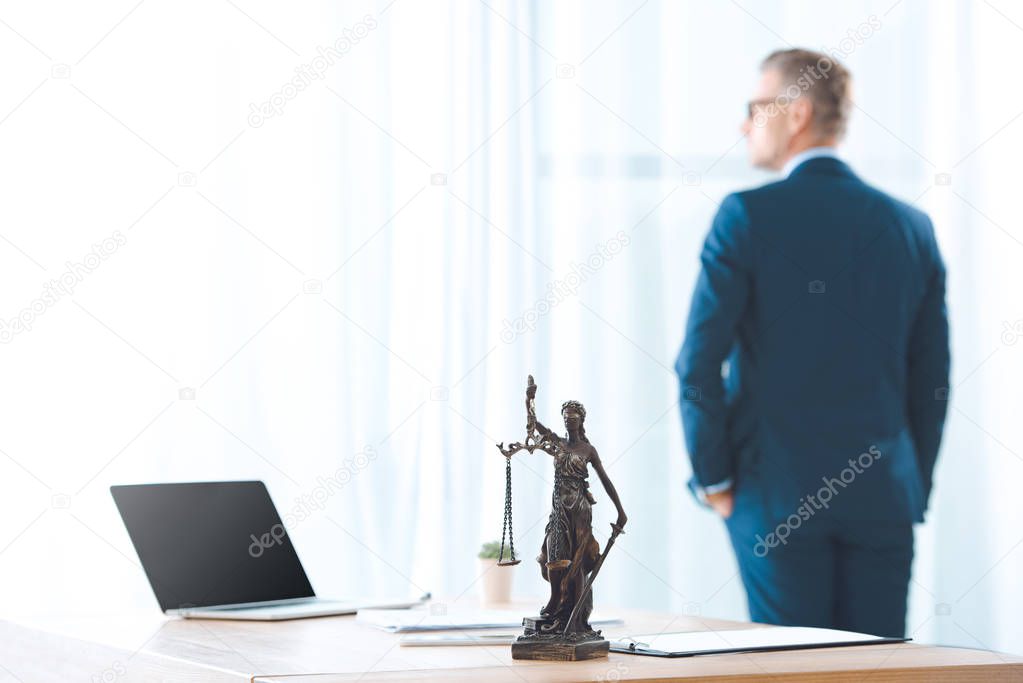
(570, 556)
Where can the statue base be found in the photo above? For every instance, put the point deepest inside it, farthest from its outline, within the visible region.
(557, 646)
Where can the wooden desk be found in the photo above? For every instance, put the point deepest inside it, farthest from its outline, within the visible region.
(335, 649)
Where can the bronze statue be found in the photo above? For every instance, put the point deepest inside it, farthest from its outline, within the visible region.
(570, 557)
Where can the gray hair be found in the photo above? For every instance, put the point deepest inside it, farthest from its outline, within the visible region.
(823, 79)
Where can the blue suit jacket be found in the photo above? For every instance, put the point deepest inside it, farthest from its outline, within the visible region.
(817, 333)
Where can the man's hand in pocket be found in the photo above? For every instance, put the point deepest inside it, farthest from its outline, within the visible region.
(721, 503)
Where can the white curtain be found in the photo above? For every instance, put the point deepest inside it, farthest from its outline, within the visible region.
(340, 289)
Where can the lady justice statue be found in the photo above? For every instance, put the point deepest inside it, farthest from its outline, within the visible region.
(570, 557)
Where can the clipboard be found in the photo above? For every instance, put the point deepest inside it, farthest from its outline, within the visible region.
(762, 639)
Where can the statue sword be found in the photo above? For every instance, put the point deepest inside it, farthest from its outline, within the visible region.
(615, 531)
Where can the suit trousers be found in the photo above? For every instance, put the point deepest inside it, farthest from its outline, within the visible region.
(823, 571)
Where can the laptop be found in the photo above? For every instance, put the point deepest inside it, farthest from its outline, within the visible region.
(218, 550)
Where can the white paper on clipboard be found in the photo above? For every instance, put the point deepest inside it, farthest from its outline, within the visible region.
(742, 640)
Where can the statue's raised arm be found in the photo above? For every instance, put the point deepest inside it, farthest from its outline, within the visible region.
(538, 436)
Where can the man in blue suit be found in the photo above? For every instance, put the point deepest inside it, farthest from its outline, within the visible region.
(814, 372)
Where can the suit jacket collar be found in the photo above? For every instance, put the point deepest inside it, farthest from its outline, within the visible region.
(822, 166)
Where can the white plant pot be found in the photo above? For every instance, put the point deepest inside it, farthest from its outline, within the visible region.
(496, 582)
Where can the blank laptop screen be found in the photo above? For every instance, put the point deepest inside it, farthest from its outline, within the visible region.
(211, 543)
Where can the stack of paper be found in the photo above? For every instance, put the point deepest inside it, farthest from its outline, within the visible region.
(432, 619)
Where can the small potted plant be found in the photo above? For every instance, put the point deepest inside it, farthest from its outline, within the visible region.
(497, 581)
